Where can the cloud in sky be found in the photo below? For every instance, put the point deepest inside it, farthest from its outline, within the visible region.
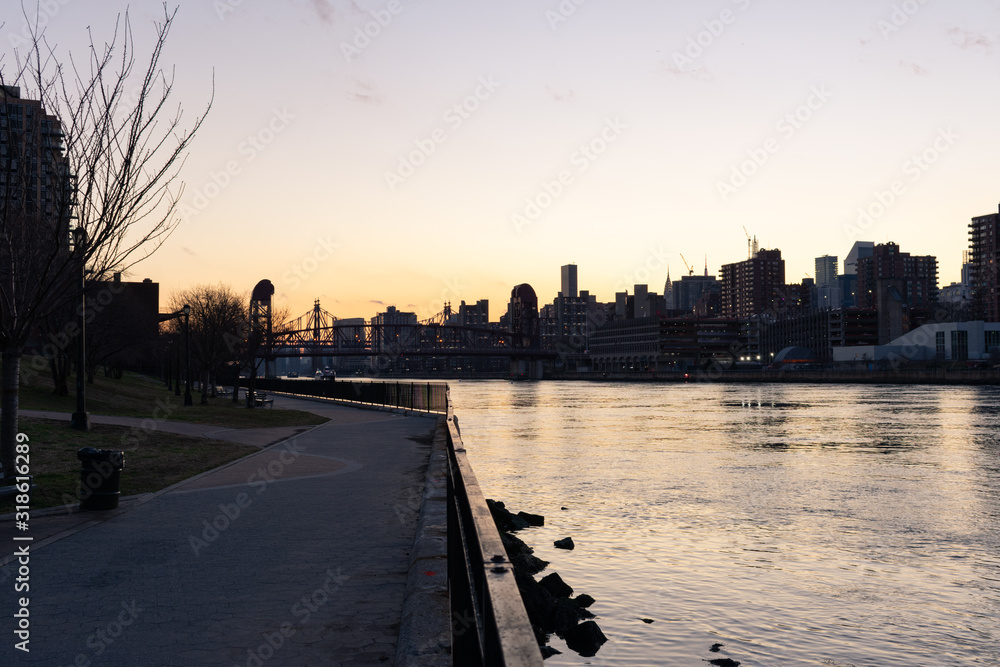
(328, 13)
(560, 96)
(914, 67)
(364, 91)
(967, 40)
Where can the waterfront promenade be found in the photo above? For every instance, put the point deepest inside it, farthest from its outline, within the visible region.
(296, 555)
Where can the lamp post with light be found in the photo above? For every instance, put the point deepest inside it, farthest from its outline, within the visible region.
(80, 420)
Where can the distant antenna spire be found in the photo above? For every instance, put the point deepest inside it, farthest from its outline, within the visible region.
(706, 264)
(668, 290)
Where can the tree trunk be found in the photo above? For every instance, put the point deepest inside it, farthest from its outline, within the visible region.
(59, 365)
(204, 387)
(236, 384)
(8, 410)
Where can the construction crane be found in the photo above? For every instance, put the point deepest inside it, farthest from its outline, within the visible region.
(751, 246)
(689, 267)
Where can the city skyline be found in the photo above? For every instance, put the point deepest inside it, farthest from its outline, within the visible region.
(454, 151)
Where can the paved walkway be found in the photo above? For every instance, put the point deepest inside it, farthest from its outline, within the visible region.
(297, 555)
(258, 437)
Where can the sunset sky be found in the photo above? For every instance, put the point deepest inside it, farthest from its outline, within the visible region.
(410, 152)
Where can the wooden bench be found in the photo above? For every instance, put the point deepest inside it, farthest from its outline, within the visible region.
(260, 400)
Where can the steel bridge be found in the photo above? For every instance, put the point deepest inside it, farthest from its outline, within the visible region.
(318, 333)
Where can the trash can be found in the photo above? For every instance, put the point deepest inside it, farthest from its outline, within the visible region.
(100, 478)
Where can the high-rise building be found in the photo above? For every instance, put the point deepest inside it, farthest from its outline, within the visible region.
(641, 294)
(826, 271)
(35, 181)
(474, 316)
(567, 321)
(569, 286)
(858, 250)
(752, 286)
(984, 258)
(393, 330)
(918, 274)
(689, 289)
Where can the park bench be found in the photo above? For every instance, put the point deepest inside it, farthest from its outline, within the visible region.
(261, 399)
(8, 492)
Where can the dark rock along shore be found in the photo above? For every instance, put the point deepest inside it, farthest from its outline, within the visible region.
(549, 604)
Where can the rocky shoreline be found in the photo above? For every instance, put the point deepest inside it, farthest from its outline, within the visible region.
(548, 601)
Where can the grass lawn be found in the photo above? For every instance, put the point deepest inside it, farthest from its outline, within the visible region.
(144, 397)
(155, 462)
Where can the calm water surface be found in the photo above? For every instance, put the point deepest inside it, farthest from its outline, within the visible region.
(794, 524)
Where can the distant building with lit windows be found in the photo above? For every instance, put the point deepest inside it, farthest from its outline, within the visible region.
(984, 258)
(754, 285)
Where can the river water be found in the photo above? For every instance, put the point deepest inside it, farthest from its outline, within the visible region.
(793, 524)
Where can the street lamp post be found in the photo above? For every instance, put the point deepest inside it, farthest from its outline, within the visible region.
(186, 312)
(80, 420)
(187, 355)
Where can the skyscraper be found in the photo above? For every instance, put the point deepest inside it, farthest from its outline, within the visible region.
(569, 286)
(668, 292)
(984, 258)
(858, 250)
(35, 182)
(826, 271)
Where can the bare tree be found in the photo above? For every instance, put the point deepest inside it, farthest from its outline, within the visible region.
(90, 146)
(217, 314)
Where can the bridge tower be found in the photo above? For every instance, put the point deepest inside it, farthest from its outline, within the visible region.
(261, 326)
(522, 317)
(316, 323)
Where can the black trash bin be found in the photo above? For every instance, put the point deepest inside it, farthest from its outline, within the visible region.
(100, 478)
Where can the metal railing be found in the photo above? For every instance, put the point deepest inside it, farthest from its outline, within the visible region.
(419, 396)
(490, 625)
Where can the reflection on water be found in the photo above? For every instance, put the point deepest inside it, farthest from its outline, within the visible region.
(794, 524)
